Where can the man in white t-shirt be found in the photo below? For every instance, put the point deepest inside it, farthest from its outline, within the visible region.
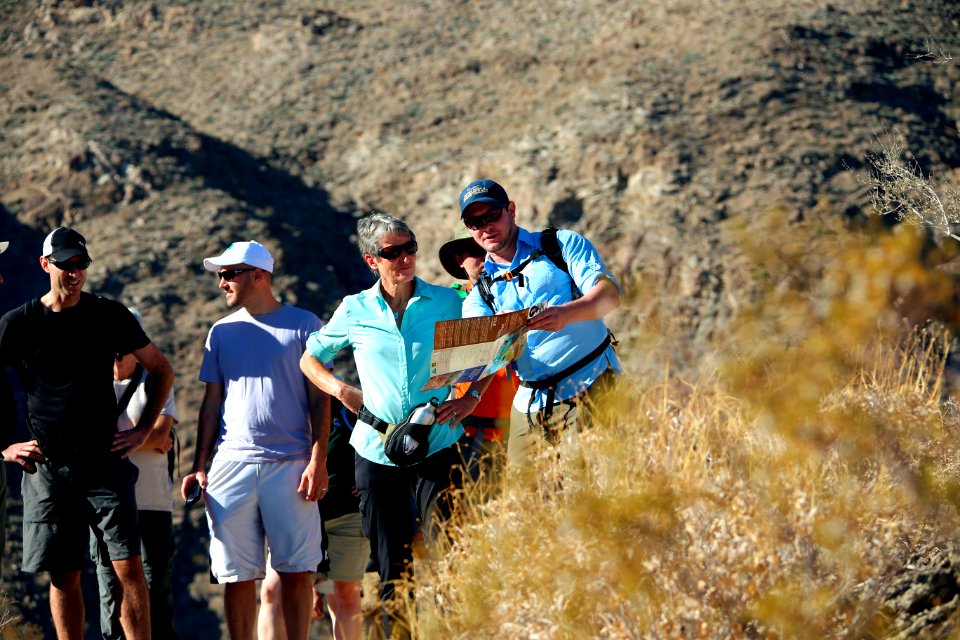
(154, 490)
(271, 428)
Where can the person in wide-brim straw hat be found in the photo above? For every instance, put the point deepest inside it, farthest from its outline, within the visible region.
(460, 246)
(486, 428)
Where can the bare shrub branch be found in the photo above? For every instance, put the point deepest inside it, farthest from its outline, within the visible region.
(901, 189)
(933, 52)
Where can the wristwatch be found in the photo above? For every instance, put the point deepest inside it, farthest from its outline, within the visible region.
(474, 393)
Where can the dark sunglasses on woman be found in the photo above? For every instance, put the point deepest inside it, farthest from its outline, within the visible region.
(393, 252)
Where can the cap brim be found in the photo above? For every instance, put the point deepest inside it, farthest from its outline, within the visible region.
(4, 245)
(214, 264)
(483, 199)
(66, 254)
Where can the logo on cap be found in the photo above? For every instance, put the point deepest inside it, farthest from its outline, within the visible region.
(473, 191)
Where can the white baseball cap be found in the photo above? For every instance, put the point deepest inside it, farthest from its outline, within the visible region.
(3, 246)
(250, 253)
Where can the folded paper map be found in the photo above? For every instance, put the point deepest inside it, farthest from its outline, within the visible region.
(474, 348)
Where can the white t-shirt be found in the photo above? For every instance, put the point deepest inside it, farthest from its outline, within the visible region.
(154, 487)
(265, 413)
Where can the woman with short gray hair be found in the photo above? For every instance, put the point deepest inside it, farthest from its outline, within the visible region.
(374, 226)
(390, 329)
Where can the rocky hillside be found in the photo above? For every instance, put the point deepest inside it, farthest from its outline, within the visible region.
(164, 130)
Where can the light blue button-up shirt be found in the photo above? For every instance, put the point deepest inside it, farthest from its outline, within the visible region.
(549, 352)
(393, 363)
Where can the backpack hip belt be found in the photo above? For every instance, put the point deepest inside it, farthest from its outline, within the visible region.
(550, 383)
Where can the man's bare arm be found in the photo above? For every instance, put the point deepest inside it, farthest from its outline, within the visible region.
(208, 427)
(318, 374)
(314, 481)
(602, 298)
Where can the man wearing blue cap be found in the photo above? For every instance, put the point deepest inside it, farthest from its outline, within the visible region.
(63, 345)
(569, 356)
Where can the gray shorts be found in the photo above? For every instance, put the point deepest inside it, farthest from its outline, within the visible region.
(62, 505)
(347, 548)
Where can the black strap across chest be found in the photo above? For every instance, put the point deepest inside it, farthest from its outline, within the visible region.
(549, 248)
(131, 389)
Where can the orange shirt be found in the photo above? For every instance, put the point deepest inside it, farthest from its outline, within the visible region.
(498, 397)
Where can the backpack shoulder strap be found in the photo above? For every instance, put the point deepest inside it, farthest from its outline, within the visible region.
(551, 248)
(131, 389)
(484, 287)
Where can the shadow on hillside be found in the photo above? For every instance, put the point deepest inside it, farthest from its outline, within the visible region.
(194, 617)
(314, 236)
(22, 276)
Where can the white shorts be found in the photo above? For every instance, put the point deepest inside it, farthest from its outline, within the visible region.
(252, 503)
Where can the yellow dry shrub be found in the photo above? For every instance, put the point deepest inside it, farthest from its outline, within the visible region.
(771, 498)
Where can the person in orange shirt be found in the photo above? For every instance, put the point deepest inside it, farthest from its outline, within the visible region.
(484, 447)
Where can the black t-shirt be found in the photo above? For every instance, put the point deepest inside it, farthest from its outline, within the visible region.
(65, 363)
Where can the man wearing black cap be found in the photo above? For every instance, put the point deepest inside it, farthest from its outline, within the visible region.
(569, 355)
(63, 346)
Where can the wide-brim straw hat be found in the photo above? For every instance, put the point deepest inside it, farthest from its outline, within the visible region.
(461, 242)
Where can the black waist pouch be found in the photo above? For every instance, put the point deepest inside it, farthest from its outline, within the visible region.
(405, 443)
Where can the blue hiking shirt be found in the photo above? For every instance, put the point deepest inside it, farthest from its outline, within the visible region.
(393, 363)
(549, 352)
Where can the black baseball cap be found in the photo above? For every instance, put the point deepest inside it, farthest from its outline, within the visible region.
(64, 243)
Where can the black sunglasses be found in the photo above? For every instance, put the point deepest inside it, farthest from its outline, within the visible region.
(80, 264)
(475, 223)
(230, 274)
(392, 253)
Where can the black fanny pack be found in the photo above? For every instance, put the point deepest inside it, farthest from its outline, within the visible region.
(408, 442)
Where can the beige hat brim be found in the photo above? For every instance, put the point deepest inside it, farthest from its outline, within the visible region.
(448, 256)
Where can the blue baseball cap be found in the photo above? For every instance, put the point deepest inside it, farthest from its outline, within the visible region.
(483, 191)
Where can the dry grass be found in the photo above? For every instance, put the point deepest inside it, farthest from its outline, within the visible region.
(12, 626)
(695, 516)
(777, 496)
